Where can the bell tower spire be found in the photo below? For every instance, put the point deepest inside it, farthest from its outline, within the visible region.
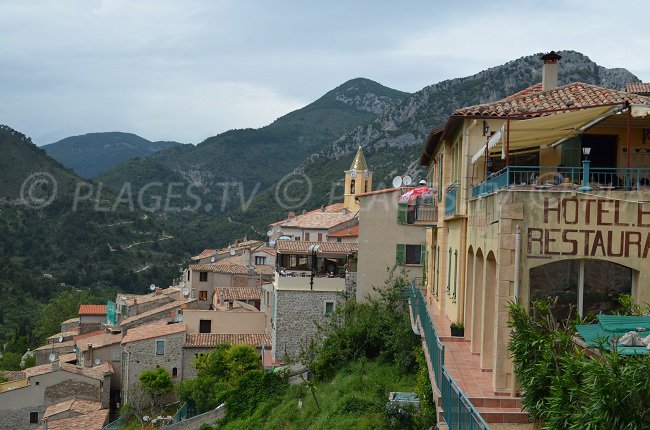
(358, 180)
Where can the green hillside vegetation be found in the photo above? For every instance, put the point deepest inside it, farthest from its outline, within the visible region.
(93, 245)
(367, 351)
(93, 153)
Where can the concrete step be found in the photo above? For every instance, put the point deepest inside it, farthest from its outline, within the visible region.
(503, 415)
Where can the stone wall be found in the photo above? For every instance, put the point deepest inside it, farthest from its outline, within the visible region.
(195, 423)
(188, 355)
(18, 419)
(166, 313)
(296, 314)
(141, 355)
(70, 389)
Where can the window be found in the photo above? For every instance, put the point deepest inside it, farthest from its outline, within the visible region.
(352, 186)
(205, 326)
(203, 276)
(160, 347)
(586, 286)
(203, 295)
(306, 236)
(33, 417)
(320, 237)
(338, 239)
(38, 383)
(174, 372)
(329, 308)
(410, 255)
(260, 260)
(116, 356)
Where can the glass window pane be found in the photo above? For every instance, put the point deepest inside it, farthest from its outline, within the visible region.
(604, 283)
(413, 254)
(557, 280)
(160, 347)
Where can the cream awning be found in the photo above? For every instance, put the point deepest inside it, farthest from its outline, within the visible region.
(546, 130)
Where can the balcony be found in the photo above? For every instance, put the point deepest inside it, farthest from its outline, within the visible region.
(451, 200)
(301, 281)
(422, 213)
(563, 178)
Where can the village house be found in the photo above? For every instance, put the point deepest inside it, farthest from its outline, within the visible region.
(145, 347)
(24, 401)
(91, 317)
(96, 348)
(541, 195)
(390, 237)
(202, 343)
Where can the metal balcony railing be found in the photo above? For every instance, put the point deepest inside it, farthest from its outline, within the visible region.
(451, 200)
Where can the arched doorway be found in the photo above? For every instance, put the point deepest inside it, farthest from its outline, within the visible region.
(477, 302)
(489, 312)
(469, 292)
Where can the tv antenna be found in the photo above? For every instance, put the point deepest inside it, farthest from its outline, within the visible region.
(397, 181)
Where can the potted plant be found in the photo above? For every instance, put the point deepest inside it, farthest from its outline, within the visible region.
(457, 329)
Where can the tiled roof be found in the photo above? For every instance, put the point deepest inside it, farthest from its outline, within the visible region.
(13, 375)
(89, 334)
(638, 87)
(300, 246)
(96, 372)
(236, 293)
(71, 320)
(346, 232)
(149, 331)
(233, 266)
(77, 405)
(526, 91)
(164, 308)
(571, 96)
(210, 340)
(65, 334)
(131, 300)
(99, 341)
(67, 358)
(92, 310)
(319, 219)
(91, 421)
(265, 248)
(56, 346)
(205, 254)
(247, 244)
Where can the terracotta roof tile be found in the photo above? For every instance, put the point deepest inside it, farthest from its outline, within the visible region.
(333, 214)
(155, 329)
(160, 309)
(99, 341)
(13, 375)
(236, 293)
(71, 320)
(91, 421)
(247, 244)
(638, 88)
(372, 193)
(67, 358)
(56, 346)
(531, 104)
(96, 372)
(77, 405)
(92, 310)
(300, 246)
(210, 340)
(346, 232)
(232, 265)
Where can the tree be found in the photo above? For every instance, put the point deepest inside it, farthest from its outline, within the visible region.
(156, 383)
(63, 306)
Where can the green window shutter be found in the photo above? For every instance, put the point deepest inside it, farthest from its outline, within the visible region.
(423, 257)
(400, 257)
(401, 213)
(571, 152)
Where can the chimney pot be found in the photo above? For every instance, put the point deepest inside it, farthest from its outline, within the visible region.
(549, 70)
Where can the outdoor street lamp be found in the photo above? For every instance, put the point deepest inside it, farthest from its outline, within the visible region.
(585, 170)
(313, 249)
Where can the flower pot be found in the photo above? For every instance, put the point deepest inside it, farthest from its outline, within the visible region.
(458, 331)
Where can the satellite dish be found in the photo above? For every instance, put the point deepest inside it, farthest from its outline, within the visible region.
(212, 259)
(269, 233)
(152, 287)
(97, 362)
(51, 357)
(397, 181)
(232, 251)
(182, 284)
(186, 291)
(60, 339)
(407, 180)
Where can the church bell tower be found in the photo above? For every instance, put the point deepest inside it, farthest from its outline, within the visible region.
(358, 180)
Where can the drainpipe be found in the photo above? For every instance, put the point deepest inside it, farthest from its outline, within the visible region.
(466, 156)
(517, 260)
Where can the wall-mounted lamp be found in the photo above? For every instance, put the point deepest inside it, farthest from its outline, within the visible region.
(486, 128)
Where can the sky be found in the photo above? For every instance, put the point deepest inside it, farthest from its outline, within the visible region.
(185, 70)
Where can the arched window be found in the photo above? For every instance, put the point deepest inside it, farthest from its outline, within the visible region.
(174, 372)
(585, 286)
(352, 187)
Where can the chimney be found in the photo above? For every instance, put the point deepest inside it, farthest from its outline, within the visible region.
(549, 70)
(291, 215)
(90, 356)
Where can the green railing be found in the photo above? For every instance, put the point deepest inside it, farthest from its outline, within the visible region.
(115, 424)
(181, 414)
(451, 200)
(459, 413)
(549, 176)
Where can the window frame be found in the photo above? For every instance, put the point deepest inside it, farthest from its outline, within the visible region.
(331, 312)
(159, 342)
(203, 276)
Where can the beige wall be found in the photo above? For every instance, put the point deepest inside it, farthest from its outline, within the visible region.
(234, 321)
(110, 353)
(379, 234)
